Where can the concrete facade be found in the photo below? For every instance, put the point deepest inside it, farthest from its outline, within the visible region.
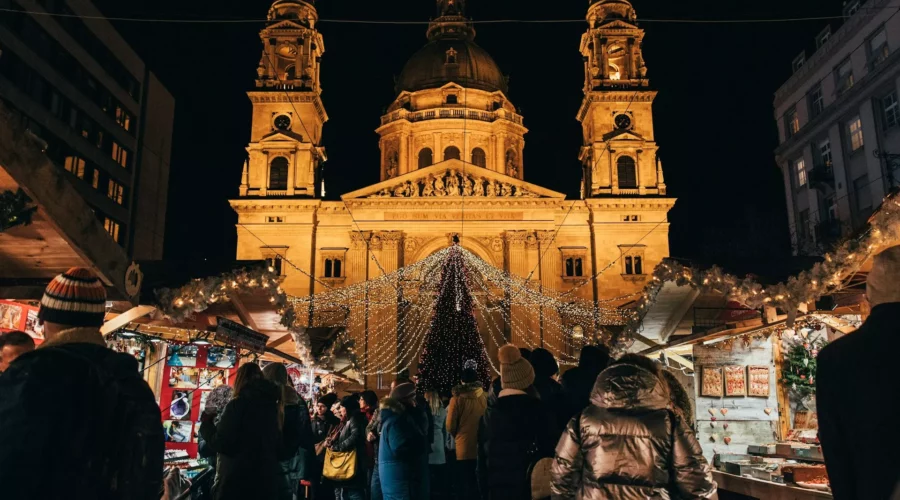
(838, 116)
(104, 118)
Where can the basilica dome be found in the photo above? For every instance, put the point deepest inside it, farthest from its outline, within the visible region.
(460, 61)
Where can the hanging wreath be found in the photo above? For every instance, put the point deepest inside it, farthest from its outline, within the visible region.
(799, 370)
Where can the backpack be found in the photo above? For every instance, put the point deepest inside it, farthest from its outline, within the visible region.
(123, 459)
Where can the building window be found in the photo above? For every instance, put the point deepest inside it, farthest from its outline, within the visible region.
(426, 158)
(275, 219)
(112, 228)
(452, 99)
(574, 267)
(798, 62)
(479, 158)
(855, 133)
(627, 172)
(119, 154)
(800, 167)
(791, 122)
(831, 209)
(451, 153)
(891, 109)
(333, 268)
(275, 264)
(803, 227)
(631, 218)
(863, 195)
(278, 174)
(823, 37)
(123, 118)
(878, 48)
(634, 265)
(825, 153)
(75, 165)
(115, 192)
(816, 101)
(95, 180)
(451, 56)
(843, 76)
(850, 8)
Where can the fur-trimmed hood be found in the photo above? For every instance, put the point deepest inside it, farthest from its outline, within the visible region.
(392, 405)
(470, 390)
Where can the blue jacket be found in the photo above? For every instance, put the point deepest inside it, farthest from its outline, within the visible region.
(402, 452)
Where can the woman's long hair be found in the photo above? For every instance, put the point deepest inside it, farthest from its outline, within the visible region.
(247, 373)
(434, 401)
(278, 375)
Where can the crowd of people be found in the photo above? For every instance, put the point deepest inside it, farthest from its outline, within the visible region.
(77, 421)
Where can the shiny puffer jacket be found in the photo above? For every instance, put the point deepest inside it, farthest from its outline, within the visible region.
(628, 445)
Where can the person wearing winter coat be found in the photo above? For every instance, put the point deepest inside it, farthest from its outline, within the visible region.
(545, 371)
(578, 382)
(853, 396)
(297, 451)
(350, 435)
(437, 459)
(402, 445)
(247, 439)
(681, 400)
(323, 422)
(77, 421)
(518, 430)
(629, 444)
(463, 414)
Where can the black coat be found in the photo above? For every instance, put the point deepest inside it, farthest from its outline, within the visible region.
(577, 385)
(857, 403)
(517, 431)
(249, 444)
(322, 426)
(352, 436)
(53, 415)
(551, 394)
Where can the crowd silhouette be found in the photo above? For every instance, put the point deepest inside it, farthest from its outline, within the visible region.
(77, 421)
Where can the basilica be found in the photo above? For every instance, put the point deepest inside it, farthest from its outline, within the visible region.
(453, 166)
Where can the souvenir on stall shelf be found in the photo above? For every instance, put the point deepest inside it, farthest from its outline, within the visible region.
(210, 379)
(184, 377)
(184, 355)
(182, 401)
(221, 357)
(735, 381)
(178, 431)
(712, 382)
(759, 381)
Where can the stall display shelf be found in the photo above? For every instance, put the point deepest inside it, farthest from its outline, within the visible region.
(758, 488)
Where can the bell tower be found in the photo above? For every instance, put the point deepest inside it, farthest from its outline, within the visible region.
(285, 151)
(619, 155)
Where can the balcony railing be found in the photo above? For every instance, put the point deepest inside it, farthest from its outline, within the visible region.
(821, 177)
(277, 192)
(452, 113)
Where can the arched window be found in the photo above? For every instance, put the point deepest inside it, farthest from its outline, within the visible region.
(479, 158)
(290, 73)
(451, 153)
(426, 158)
(278, 174)
(627, 172)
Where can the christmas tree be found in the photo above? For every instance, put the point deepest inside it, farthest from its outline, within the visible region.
(453, 340)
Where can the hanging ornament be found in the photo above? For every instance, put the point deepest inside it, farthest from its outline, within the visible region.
(768, 411)
(727, 440)
(712, 423)
(724, 411)
(712, 411)
(805, 362)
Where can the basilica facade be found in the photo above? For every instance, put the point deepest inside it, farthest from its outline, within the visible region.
(452, 166)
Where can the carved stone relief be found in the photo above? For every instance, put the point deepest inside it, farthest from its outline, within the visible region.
(454, 183)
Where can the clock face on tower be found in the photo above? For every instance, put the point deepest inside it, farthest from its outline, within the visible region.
(282, 122)
(623, 122)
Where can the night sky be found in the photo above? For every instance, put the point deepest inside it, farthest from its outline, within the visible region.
(713, 116)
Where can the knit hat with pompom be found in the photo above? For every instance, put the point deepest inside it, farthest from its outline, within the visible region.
(515, 371)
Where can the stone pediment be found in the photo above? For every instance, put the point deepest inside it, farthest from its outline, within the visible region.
(623, 135)
(281, 136)
(617, 24)
(453, 178)
(286, 24)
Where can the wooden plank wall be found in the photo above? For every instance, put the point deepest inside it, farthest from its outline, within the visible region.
(747, 420)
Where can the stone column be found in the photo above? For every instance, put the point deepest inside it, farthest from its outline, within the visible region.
(438, 155)
(403, 166)
(492, 161)
(517, 259)
(631, 60)
(270, 59)
(383, 333)
(600, 50)
(501, 153)
(551, 270)
(357, 272)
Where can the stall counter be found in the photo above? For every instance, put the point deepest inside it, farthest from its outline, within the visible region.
(763, 490)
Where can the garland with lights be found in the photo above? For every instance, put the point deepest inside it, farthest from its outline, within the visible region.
(453, 341)
(823, 279)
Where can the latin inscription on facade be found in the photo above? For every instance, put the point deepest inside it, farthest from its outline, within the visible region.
(456, 215)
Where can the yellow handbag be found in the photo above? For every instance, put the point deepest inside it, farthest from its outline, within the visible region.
(339, 465)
